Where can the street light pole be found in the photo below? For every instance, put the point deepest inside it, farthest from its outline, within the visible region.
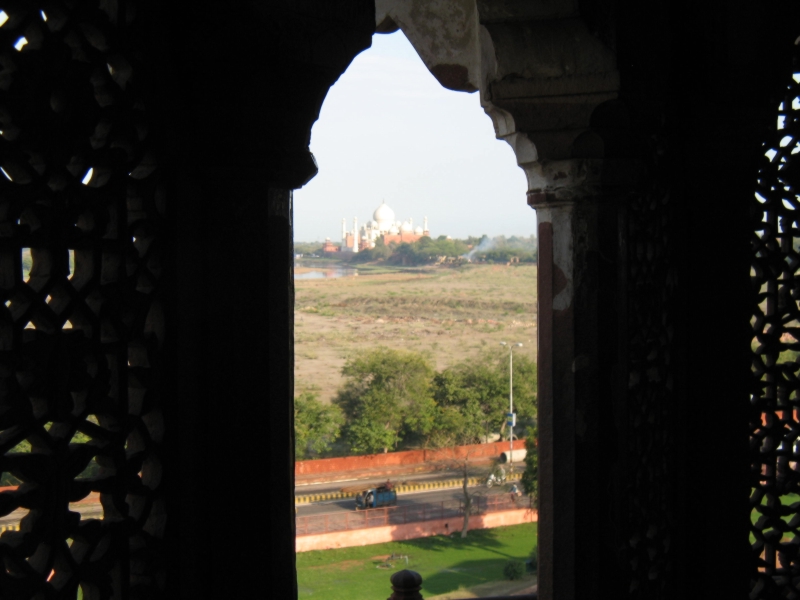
(511, 408)
(511, 402)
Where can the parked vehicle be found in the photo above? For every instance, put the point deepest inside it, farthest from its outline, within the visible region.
(376, 497)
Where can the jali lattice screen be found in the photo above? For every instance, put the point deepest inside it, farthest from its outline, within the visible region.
(82, 210)
(775, 405)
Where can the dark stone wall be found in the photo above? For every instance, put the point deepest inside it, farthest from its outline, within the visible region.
(661, 312)
(240, 87)
(702, 81)
(657, 506)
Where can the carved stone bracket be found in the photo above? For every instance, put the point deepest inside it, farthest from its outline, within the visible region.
(540, 72)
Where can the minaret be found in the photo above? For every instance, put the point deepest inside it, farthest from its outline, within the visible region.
(425, 226)
(344, 234)
(411, 222)
(355, 234)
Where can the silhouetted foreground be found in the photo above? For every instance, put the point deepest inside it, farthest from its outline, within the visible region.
(406, 585)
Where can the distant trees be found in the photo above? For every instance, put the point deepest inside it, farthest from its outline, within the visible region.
(503, 249)
(505, 255)
(429, 250)
(379, 253)
(316, 426)
(424, 251)
(393, 397)
(308, 248)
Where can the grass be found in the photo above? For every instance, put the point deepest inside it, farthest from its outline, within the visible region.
(446, 564)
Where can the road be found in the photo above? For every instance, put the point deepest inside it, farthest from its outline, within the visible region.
(334, 486)
(408, 499)
(93, 510)
(340, 515)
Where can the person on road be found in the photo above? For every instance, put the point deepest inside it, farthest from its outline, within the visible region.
(515, 493)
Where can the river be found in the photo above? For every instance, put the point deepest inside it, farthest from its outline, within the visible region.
(322, 271)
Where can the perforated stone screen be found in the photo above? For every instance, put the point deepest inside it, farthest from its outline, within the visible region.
(775, 405)
(82, 216)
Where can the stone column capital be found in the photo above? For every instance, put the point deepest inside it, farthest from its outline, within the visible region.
(559, 182)
(555, 182)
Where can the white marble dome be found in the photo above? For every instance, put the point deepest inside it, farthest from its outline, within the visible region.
(406, 227)
(384, 216)
(418, 230)
(394, 230)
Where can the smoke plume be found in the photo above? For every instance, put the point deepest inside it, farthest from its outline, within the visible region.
(485, 245)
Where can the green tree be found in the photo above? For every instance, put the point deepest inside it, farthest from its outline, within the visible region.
(307, 248)
(316, 425)
(530, 477)
(385, 392)
(460, 414)
(525, 385)
(455, 426)
(479, 389)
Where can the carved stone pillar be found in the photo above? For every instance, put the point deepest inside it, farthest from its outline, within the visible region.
(577, 229)
(247, 83)
(541, 71)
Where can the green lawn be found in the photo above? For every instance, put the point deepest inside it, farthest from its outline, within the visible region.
(445, 563)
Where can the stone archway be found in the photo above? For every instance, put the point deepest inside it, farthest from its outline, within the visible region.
(196, 156)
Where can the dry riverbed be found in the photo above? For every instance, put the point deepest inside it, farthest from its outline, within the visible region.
(450, 313)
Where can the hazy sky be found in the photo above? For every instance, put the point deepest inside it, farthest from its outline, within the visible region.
(389, 131)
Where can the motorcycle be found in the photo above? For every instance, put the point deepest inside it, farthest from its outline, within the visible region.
(498, 479)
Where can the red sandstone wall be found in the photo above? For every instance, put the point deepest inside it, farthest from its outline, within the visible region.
(391, 459)
(399, 238)
(391, 533)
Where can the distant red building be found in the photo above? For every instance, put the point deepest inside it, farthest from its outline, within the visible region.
(329, 247)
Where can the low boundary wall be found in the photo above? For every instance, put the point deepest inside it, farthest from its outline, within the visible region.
(394, 459)
(409, 531)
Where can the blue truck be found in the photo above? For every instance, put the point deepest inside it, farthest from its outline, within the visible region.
(376, 497)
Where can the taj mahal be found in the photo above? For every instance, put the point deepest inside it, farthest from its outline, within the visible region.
(382, 226)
